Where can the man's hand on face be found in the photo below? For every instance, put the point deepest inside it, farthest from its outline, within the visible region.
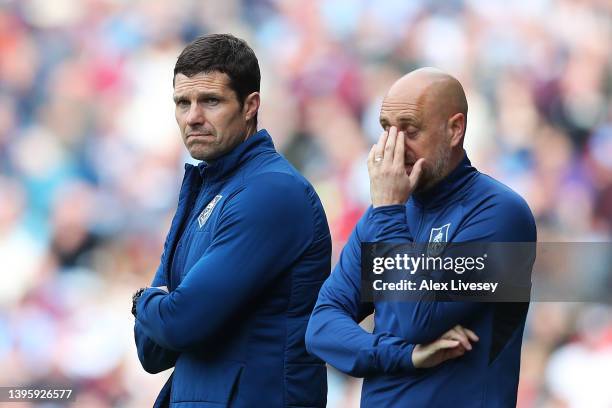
(452, 344)
(389, 182)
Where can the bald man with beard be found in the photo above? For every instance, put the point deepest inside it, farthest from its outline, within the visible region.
(426, 353)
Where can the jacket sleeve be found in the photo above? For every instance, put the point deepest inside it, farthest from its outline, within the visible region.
(262, 230)
(153, 357)
(333, 332)
(501, 219)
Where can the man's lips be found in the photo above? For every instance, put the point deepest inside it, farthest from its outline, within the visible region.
(199, 135)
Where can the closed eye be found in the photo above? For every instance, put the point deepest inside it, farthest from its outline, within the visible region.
(412, 133)
(410, 130)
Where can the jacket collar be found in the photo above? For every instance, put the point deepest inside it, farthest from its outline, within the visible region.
(447, 188)
(223, 166)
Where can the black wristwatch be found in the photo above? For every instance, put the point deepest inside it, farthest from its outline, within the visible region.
(135, 298)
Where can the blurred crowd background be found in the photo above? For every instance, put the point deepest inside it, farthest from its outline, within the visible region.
(91, 158)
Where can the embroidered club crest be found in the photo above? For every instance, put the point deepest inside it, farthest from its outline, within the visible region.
(205, 214)
(438, 238)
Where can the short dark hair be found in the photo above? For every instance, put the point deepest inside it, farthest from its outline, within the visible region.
(224, 53)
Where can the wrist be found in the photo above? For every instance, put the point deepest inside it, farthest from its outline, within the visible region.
(389, 207)
(388, 201)
(135, 298)
(386, 204)
(396, 212)
(415, 357)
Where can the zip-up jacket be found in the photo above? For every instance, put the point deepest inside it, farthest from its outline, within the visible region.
(467, 206)
(246, 255)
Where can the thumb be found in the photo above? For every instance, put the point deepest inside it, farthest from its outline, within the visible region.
(447, 344)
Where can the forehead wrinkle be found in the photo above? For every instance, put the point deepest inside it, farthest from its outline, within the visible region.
(398, 104)
(403, 115)
(199, 84)
(402, 111)
(400, 108)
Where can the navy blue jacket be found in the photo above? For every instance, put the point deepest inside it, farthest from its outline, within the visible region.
(476, 208)
(246, 255)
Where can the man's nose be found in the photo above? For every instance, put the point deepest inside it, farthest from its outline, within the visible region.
(195, 116)
(409, 146)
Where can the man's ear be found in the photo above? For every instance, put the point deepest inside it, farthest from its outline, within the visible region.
(251, 105)
(456, 127)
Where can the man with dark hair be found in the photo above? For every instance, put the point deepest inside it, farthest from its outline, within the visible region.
(247, 252)
(425, 190)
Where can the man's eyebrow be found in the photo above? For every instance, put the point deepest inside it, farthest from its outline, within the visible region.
(176, 97)
(408, 118)
(405, 120)
(201, 95)
(408, 121)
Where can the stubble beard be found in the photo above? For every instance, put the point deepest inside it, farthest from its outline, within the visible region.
(205, 151)
(433, 174)
(213, 149)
